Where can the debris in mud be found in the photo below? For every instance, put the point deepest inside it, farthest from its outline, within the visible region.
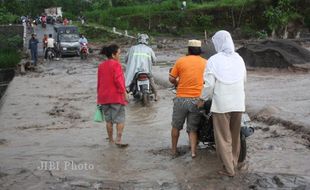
(73, 115)
(275, 134)
(2, 174)
(71, 71)
(278, 181)
(270, 181)
(80, 184)
(56, 111)
(3, 141)
(276, 54)
(31, 127)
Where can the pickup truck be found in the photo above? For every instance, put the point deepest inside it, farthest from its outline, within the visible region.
(67, 40)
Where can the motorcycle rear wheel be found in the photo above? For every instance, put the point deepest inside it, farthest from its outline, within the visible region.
(83, 56)
(243, 148)
(50, 56)
(145, 99)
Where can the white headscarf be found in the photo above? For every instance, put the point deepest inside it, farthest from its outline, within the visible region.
(227, 65)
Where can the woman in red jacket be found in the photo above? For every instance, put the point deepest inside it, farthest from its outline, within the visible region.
(111, 92)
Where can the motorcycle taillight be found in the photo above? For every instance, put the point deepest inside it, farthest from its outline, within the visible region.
(143, 77)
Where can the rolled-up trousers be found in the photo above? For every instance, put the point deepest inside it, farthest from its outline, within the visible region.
(227, 138)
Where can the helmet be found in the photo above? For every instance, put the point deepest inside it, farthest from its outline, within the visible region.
(143, 39)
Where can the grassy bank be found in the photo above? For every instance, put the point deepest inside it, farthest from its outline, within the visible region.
(9, 58)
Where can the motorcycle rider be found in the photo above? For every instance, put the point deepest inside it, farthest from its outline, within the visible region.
(51, 44)
(83, 40)
(43, 20)
(140, 58)
(44, 41)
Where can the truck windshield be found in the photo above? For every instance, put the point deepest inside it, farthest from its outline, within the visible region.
(69, 38)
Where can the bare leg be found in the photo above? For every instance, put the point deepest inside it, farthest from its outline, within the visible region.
(193, 140)
(110, 131)
(119, 128)
(175, 133)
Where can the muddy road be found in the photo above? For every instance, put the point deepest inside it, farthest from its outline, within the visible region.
(48, 139)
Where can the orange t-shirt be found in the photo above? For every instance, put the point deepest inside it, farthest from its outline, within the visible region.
(189, 71)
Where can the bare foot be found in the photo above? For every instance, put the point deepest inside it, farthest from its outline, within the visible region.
(193, 155)
(174, 154)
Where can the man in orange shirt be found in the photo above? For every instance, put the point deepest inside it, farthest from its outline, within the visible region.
(187, 75)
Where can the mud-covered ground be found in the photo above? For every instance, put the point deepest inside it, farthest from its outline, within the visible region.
(48, 139)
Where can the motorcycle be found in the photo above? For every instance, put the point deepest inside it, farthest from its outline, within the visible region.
(206, 135)
(84, 51)
(141, 88)
(50, 54)
(43, 24)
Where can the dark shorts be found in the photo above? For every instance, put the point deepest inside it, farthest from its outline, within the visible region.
(114, 113)
(185, 108)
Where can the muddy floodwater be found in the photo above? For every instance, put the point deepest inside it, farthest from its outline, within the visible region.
(48, 140)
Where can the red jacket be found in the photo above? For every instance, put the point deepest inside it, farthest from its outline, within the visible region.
(111, 83)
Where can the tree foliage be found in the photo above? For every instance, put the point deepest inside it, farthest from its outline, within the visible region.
(280, 15)
(7, 17)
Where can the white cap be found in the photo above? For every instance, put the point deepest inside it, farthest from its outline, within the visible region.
(194, 43)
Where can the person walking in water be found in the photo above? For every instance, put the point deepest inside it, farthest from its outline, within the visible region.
(224, 79)
(187, 75)
(111, 93)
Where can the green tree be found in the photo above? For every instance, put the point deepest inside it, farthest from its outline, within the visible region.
(280, 15)
(7, 17)
(101, 4)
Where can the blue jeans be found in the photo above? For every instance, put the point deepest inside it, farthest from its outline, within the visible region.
(34, 57)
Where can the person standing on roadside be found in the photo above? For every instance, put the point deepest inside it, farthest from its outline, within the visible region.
(44, 41)
(224, 79)
(65, 22)
(111, 92)
(33, 46)
(187, 75)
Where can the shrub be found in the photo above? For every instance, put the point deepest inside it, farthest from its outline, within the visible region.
(9, 58)
(6, 17)
(11, 43)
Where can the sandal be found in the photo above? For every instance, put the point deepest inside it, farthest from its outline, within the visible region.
(221, 172)
(120, 145)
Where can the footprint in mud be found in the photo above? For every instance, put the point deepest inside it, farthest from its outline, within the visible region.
(182, 150)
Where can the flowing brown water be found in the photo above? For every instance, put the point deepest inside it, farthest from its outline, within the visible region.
(46, 120)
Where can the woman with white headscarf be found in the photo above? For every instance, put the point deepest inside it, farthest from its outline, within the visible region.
(224, 78)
